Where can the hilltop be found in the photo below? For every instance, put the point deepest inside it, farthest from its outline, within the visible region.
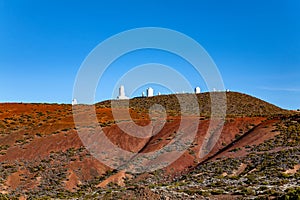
(257, 153)
(238, 104)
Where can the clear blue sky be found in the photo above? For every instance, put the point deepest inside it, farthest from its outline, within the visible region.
(255, 44)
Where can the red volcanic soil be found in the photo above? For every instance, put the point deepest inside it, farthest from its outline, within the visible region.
(256, 136)
(41, 141)
(233, 127)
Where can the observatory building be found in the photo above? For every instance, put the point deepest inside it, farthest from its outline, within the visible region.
(122, 93)
(197, 90)
(149, 92)
(74, 102)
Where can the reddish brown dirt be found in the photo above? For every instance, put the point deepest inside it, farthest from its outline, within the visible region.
(33, 131)
(258, 135)
(117, 179)
(72, 182)
(42, 146)
(232, 127)
(13, 181)
(293, 171)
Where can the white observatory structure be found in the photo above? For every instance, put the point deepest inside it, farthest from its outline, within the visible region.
(150, 92)
(122, 93)
(74, 102)
(197, 90)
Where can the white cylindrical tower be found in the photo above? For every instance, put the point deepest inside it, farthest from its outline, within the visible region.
(74, 102)
(197, 90)
(149, 92)
(122, 93)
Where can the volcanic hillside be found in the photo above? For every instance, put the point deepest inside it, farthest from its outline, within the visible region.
(238, 104)
(42, 155)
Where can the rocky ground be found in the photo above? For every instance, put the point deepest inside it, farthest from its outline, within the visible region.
(255, 157)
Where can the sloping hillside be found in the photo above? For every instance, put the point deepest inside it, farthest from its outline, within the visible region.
(237, 104)
(41, 154)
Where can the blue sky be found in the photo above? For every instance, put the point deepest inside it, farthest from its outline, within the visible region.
(255, 44)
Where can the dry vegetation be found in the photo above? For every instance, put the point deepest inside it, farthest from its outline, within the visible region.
(237, 104)
(257, 155)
